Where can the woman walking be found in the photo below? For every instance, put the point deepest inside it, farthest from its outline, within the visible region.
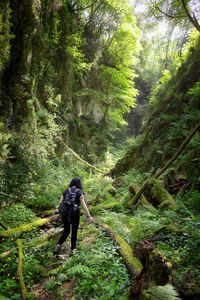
(74, 188)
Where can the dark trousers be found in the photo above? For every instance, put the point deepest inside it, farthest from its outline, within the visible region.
(67, 225)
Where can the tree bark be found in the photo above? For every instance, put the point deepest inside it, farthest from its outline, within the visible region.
(193, 19)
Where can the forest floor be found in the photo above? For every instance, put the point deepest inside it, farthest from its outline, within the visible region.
(98, 270)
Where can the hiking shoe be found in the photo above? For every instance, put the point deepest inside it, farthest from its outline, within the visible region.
(56, 251)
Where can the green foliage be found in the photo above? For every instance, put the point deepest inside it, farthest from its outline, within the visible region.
(16, 215)
(50, 285)
(166, 292)
(5, 34)
(99, 260)
(4, 143)
(9, 287)
(119, 223)
(192, 42)
(144, 223)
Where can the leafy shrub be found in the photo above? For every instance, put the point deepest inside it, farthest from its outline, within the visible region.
(16, 215)
(166, 292)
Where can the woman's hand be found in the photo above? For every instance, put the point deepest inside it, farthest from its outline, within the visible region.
(91, 219)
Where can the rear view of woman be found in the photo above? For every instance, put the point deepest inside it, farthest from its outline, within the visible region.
(75, 187)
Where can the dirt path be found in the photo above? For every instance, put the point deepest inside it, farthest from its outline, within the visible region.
(41, 290)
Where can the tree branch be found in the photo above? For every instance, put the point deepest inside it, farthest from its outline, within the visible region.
(83, 8)
(155, 5)
(192, 20)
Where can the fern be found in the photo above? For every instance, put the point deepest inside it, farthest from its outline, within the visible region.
(166, 292)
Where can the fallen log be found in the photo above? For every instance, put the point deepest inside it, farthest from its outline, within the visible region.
(132, 263)
(28, 227)
(79, 158)
(158, 196)
(170, 228)
(35, 243)
(133, 189)
(96, 200)
(48, 213)
(24, 292)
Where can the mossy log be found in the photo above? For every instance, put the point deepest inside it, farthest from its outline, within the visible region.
(133, 189)
(79, 158)
(28, 226)
(133, 264)
(50, 212)
(110, 189)
(115, 206)
(158, 196)
(157, 271)
(170, 228)
(24, 292)
(34, 243)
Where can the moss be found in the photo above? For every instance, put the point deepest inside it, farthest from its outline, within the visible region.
(158, 196)
(118, 182)
(110, 189)
(27, 227)
(160, 268)
(20, 269)
(115, 206)
(134, 189)
(127, 253)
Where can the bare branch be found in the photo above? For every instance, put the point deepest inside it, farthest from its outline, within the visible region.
(156, 6)
(193, 19)
(83, 8)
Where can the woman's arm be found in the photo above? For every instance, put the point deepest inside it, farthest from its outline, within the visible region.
(86, 209)
(61, 198)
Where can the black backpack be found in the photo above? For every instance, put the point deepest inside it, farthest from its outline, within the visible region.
(67, 208)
